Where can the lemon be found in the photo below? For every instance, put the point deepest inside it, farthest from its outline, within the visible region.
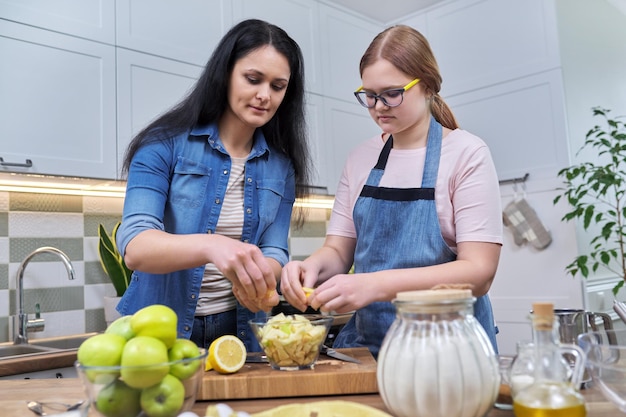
(227, 354)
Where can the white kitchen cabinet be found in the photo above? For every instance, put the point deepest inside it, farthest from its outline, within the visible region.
(480, 43)
(299, 18)
(343, 126)
(57, 103)
(314, 116)
(146, 87)
(185, 30)
(522, 121)
(335, 128)
(344, 38)
(94, 20)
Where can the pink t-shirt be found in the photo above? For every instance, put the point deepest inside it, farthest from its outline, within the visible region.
(467, 193)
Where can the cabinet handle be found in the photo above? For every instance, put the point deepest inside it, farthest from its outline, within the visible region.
(26, 164)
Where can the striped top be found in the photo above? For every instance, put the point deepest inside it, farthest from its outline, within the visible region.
(216, 295)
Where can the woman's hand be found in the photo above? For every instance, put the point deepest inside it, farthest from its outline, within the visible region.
(245, 266)
(263, 304)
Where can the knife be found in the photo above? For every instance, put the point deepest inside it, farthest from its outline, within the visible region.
(337, 355)
(256, 357)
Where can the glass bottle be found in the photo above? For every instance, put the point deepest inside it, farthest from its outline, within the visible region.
(553, 391)
(436, 360)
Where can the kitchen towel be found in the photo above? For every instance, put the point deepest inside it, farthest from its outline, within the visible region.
(523, 221)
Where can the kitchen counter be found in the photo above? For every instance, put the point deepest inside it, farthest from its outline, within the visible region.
(14, 395)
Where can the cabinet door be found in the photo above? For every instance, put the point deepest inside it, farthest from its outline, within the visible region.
(345, 125)
(315, 126)
(484, 42)
(57, 103)
(147, 86)
(344, 39)
(522, 121)
(299, 19)
(185, 30)
(94, 20)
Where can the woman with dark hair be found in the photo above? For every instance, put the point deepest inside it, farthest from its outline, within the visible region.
(417, 206)
(211, 187)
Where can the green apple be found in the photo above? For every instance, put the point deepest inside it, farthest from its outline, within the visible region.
(121, 326)
(156, 321)
(144, 361)
(184, 349)
(118, 400)
(104, 349)
(164, 399)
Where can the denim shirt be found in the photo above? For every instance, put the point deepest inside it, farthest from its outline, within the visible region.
(178, 185)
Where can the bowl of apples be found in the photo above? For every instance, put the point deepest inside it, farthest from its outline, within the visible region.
(291, 342)
(138, 367)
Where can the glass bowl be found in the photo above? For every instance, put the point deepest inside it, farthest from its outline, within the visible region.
(291, 342)
(109, 395)
(606, 363)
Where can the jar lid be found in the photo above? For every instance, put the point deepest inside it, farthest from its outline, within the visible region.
(434, 295)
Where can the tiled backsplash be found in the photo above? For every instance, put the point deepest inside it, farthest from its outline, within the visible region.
(70, 223)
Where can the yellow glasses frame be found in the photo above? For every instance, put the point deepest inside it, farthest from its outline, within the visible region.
(376, 97)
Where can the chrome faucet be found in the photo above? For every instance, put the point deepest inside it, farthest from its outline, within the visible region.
(23, 325)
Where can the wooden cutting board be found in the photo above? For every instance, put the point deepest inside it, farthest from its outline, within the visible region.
(329, 377)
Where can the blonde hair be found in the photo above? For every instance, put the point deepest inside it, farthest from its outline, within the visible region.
(409, 51)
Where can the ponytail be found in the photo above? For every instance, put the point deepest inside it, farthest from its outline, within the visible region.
(442, 112)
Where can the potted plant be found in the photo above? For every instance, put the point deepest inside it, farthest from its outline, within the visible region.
(595, 191)
(114, 266)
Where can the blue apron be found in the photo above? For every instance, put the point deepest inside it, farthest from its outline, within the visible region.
(399, 228)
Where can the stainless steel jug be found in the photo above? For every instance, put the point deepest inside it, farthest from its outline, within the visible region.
(574, 322)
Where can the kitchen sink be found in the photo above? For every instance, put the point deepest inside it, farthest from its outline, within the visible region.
(9, 351)
(42, 346)
(62, 343)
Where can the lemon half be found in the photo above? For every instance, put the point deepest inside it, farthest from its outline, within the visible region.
(227, 354)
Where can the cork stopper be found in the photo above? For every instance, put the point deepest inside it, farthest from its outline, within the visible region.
(543, 316)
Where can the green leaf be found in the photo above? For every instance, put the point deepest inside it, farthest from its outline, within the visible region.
(112, 261)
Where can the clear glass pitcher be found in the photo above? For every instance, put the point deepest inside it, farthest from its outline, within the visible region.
(436, 360)
(550, 384)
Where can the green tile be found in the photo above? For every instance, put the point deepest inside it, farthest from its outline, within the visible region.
(45, 202)
(50, 300)
(94, 320)
(21, 247)
(4, 276)
(4, 329)
(4, 224)
(92, 221)
(94, 274)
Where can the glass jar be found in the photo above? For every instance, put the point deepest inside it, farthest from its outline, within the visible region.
(552, 390)
(436, 360)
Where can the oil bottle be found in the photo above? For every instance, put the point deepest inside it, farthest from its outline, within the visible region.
(553, 393)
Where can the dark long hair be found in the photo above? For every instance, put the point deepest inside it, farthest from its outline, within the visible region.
(207, 100)
(409, 51)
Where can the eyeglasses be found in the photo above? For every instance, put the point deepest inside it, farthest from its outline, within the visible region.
(390, 98)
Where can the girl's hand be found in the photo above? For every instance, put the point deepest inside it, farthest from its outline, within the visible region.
(344, 293)
(296, 275)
